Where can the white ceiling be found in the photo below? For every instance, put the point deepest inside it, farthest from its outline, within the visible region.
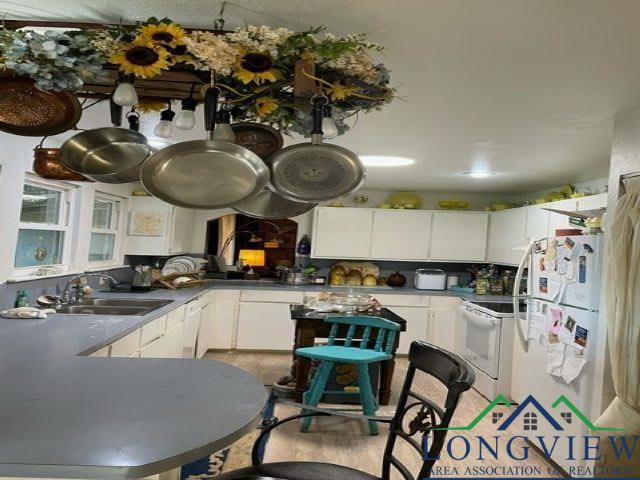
(527, 88)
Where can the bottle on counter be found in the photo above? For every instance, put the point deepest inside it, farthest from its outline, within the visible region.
(304, 245)
(22, 300)
(482, 285)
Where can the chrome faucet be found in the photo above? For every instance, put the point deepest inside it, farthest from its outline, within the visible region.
(72, 283)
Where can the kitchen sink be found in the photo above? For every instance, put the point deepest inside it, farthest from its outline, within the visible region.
(112, 306)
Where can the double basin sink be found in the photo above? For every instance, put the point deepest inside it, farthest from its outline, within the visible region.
(112, 306)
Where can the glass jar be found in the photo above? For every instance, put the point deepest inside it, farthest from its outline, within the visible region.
(482, 285)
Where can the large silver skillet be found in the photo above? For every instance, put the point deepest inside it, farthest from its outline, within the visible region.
(204, 174)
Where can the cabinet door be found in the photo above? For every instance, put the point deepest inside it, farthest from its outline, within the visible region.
(443, 323)
(223, 320)
(537, 223)
(507, 230)
(191, 331)
(592, 201)
(174, 341)
(557, 220)
(264, 326)
(342, 232)
(400, 235)
(460, 236)
(156, 349)
(417, 325)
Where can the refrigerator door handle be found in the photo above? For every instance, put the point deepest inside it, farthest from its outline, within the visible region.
(524, 261)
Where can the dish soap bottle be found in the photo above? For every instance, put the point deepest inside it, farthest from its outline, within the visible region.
(22, 299)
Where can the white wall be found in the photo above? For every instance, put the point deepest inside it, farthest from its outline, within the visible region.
(16, 158)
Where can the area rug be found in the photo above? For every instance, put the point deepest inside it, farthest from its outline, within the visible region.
(232, 458)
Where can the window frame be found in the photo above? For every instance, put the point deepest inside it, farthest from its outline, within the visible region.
(65, 215)
(117, 214)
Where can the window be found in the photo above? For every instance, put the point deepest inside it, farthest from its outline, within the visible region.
(43, 228)
(104, 230)
(530, 421)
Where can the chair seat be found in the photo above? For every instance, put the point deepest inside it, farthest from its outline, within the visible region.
(298, 471)
(335, 353)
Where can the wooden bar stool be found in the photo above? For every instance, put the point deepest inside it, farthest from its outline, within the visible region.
(361, 356)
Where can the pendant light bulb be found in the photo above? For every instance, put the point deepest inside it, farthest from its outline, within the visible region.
(125, 93)
(186, 119)
(329, 127)
(164, 128)
(223, 130)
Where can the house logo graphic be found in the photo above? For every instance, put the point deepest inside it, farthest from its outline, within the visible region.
(532, 411)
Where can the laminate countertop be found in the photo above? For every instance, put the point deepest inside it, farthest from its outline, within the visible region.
(67, 415)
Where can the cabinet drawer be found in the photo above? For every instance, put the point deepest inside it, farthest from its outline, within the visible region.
(152, 330)
(175, 317)
(271, 296)
(156, 349)
(445, 302)
(126, 345)
(403, 300)
(196, 303)
(226, 295)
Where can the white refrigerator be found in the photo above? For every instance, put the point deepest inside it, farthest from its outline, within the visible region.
(560, 344)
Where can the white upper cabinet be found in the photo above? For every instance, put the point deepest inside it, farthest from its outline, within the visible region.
(342, 232)
(537, 222)
(459, 236)
(174, 232)
(557, 220)
(507, 234)
(592, 202)
(401, 235)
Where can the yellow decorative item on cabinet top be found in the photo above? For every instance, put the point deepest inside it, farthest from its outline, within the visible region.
(404, 200)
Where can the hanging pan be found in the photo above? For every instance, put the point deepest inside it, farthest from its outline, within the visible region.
(27, 111)
(204, 174)
(312, 172)
(268, 204)
(261, 139)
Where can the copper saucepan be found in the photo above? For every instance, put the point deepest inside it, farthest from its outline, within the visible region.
(46, 163)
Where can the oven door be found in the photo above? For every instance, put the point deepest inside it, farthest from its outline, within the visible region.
(480, 339)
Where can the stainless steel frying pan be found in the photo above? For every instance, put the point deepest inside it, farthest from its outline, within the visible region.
(268, 204)
(312, 172)
(204, 174)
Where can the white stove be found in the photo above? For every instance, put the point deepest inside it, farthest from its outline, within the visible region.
(487, 329)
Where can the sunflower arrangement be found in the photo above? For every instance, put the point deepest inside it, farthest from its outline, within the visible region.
(254, 66)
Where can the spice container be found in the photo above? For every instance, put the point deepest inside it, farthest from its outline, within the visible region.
(482, 285)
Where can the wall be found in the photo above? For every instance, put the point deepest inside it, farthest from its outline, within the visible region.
(16, 157)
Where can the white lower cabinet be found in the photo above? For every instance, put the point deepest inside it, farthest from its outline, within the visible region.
(168, 345)
(264, 326)
(417, 326)
(443, 331)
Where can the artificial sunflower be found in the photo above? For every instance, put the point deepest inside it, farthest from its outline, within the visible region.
(142, 59)
(266, 106)
(338, 91)
(257, 68)
(163, 33)
(149, 107)
(180, 54)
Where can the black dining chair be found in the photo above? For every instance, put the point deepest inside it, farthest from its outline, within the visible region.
(416, 416)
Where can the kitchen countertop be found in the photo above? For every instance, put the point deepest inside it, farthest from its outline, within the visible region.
(66, 415)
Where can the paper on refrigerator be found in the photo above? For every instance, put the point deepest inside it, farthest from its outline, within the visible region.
(573, 364)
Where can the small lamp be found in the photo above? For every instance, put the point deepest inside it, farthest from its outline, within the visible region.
(253, 258)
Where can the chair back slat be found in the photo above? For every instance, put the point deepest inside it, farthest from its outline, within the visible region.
(364, 321)
(350, 333)
(380, 340)
(333, 333)
(391, 337)
(456, 375)
(366, 334)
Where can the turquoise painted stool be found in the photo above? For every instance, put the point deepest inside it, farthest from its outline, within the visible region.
(361, 356)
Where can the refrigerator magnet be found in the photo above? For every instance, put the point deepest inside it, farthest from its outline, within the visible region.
(569, 243)
(543, 285)
(582, 269)
(587, 248)
(580, 337)
(541, 246)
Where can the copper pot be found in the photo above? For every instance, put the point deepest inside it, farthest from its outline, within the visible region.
(46, 163)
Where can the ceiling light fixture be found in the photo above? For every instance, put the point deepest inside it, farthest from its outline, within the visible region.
(480, 174)
(386, 161)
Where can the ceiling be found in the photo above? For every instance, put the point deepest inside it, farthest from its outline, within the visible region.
(529, 89)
